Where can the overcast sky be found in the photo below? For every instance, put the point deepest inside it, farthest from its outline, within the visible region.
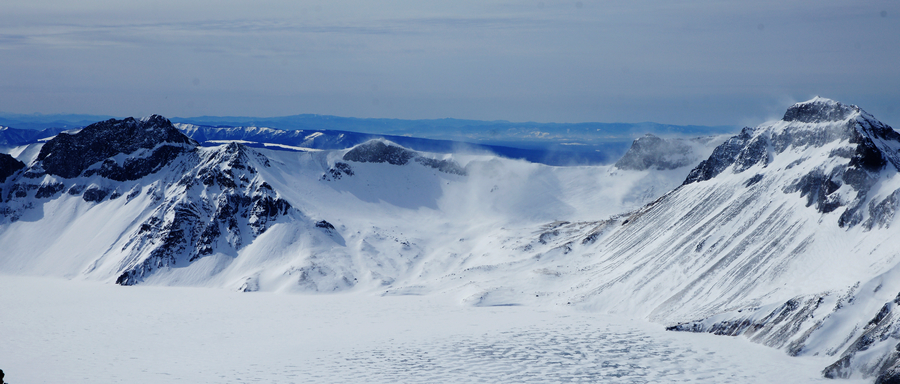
(679, 62)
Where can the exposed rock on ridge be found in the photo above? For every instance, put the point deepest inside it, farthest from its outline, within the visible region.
(68, 155)
(381, 151)
(219, 206)
(8, 166)
(842, 164)
(861, 147)
(193, 202)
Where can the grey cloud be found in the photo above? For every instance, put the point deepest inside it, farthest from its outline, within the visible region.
(701, 62)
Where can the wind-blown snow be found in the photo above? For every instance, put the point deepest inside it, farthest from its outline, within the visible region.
(782, 234)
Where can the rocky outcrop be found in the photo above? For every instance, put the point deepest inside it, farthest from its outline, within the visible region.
(819, 110)
(377, 151)
(381, 151)
(864, 338)
(8, 166)
(741, 151)
(863, 147)
(68, 155)
(220, 206)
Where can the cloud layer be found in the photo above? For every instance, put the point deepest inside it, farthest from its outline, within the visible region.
(682, 62)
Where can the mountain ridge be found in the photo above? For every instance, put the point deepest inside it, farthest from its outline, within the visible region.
(782, 234)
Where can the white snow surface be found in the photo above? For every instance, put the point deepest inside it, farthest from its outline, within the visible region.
(509, 236)
(58, 331)
(393, 222)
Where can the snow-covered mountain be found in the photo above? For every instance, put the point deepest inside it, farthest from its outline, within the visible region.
(782, 234)
(136, 201)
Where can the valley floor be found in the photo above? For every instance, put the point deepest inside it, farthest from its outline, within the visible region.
(56, 330)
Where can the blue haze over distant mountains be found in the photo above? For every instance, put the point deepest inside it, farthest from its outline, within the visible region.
(548, 143)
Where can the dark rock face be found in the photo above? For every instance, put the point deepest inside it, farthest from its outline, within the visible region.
(338, 171)
(8, 166)
(48, 190)
(376, 151)
(881, 213)
(324, 225)
(446, 166)
(818, 189)
(94, 194)
(742, 150)
(652, 152)
(19, 190)
(780, 326)
(864, 156)
(774, 328)
(227, 206)
(68, 155)
(753, 180)
(379, 152)
(880, 328)
(344, 167)
(209, 201)
(135, 168)
(749, 148)
(819, 110)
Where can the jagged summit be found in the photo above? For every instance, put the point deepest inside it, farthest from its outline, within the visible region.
(68, 155)
(831, 153)
(820, 109)
(867, 143)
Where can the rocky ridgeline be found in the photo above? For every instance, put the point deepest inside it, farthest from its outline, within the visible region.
(218, 206)
(867, 148)
(383, 151)
(861, 326)
(68, 155)
(202, 201)
(380, 151)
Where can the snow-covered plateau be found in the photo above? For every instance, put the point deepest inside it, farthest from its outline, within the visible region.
(780, 235)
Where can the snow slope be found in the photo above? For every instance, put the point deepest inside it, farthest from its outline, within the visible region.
(782, 234)
(149, 205)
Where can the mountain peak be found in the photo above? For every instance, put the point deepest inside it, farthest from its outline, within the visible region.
(155, 119)
(67, 155)
(820, 109)
(810, 124)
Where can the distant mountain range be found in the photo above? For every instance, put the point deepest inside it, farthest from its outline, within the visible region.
(548, 143)
(473, 131)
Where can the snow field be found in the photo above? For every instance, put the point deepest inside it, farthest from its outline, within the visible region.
(85, 332)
